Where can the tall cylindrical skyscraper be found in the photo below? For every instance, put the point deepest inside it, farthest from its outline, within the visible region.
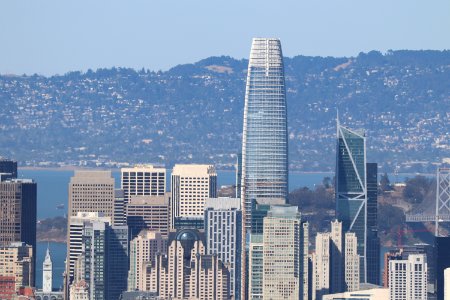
(264, 142)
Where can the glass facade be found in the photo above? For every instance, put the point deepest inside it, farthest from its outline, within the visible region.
(351, 191)
(264, 145)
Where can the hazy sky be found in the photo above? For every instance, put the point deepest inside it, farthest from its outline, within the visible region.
(56, 36)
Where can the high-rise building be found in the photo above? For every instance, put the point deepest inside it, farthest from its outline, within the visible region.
(119, 215)
(388, 256)
(75, 239)
(223, 228)
(264, 136)
(143, 250)
(9, 167)
(351, 258)
(238, 175)
(16, 268)
(283, 260)
(356, 198)
(447, 284)
(191, 185)
(255, 267)
(102, 261)
(337, 278)
(321, 266)
(91, 191)
(47, 273)
(18, 213)
(148, 212)
(186, 272)
(143, 180)
(408, 278)
(442, 245)
(373, 241)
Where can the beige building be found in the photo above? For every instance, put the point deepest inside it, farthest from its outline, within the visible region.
(143, 180)
(148, 212)
(91, 191)
(16, 261)
(191, 185)
(321, 266)
(351, 273)
(283, 258)
(79, 291)
(408, 278)
(367, 294)
(186, 272)
(143, 250)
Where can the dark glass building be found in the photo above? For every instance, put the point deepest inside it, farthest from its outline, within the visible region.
(442, 246)
(8, 166)
(356, 199)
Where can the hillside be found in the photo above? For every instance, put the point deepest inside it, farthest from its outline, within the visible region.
(193, 112)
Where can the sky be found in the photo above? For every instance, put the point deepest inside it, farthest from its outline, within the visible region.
(51, 37)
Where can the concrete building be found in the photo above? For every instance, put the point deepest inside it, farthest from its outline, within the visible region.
(337, 278)
(255, 267)
(143, 250)
(187, 272)
(283, 260)
(321, 266)
(408, 278)
(366, 294)
(148, 212)
(191, 185)
(18, 213)
(143, 180)
(91, 191)
(351, 258)
(447, 284)
(16, 268)
(223, 221)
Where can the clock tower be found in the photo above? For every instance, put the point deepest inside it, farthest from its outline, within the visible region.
(47, 273)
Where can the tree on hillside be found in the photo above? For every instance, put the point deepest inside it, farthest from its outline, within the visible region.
(417, 189)
(385, 183)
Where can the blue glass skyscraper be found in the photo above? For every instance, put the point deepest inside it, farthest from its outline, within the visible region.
(356, 198)
(264, 141)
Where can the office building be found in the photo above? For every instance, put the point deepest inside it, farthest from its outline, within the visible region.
(337, 278)
(373, 241)
(321, 266)
(148, 212)
(283, 259)
(356, 198)
(264, 136)
(351, 258)
(98, 255)
(223, 221)
(143, 250)
(191, 185)
(18, 213)
(442, 245)
(187, 272)
(238, 183)
(408, 278)
(447, 284)
(374, 293)
(119, 215)
(16, 268)
(143, 180)
(256, 266)
(388, 256)
(8, 167)
(91, 191)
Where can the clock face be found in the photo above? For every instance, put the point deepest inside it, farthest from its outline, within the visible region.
(47, 277)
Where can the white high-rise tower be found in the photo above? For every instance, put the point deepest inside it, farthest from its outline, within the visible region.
(47, 273)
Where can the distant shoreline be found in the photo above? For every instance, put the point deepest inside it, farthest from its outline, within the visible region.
(74, 168)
